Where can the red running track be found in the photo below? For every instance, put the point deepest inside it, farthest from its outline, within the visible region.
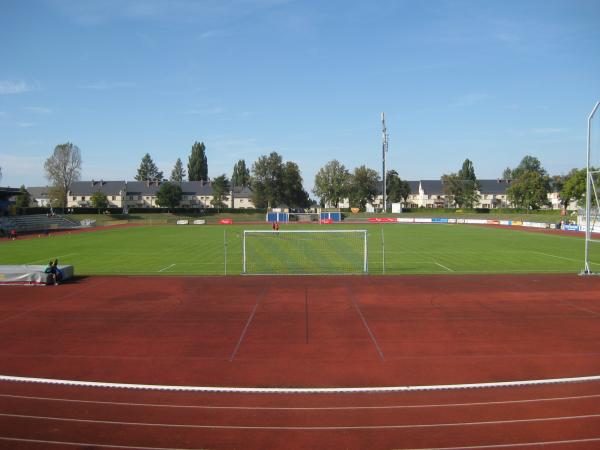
(302, 332)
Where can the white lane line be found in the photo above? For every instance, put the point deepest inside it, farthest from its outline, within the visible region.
(365, 323)
(301, 408)
(86, 445)
(239, 342)
(131, 447)
(265, 390)
(443, 267)
(295, 427)
(166, 268)
(518, 444)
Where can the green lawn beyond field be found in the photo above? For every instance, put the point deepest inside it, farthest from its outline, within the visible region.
(201, 250)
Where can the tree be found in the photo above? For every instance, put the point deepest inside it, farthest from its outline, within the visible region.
(397, 188)
(24, 199)
(466, 174)
(241, 174)
(267, 175)
(62, 169)
(453, 189)
(530, 190)
(99, 200)
(198, 163)
(528, 164)
(507, 174)
(363, 186)
(169, 195)
(332, 183)
(574, 187)
(220, 188)
(178, 172)
(148, 170)
(293, 193)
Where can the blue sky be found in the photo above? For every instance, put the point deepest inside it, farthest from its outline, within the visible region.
(487, 80)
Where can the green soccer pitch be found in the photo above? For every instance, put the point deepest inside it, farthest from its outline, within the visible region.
(409, 249)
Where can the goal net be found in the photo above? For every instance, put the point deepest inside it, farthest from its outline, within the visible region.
(297, 252)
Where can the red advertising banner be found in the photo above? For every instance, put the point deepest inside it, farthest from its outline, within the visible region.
(382, 219)
(226, 221)
(326, 221)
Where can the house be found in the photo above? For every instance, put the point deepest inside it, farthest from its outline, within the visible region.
(40, 196)
(430, 194)
(80, 193)
(492, 194)
(142, 194)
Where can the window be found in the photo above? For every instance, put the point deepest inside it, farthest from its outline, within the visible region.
(83, 198)
(74, 198)
(114, 197)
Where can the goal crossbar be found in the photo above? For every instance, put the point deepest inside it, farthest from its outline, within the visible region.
(304, 252)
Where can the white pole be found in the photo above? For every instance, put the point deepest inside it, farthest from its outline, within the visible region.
(225, 248)
(244, 252)
(383, 249)
(588, 192)
(384, 152)
(366, 264)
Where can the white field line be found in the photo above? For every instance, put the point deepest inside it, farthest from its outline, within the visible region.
(302, 408)
(556, 256)
(166, 268)
(443, 267)
(266, 390)
(295, 427)
(46, 259)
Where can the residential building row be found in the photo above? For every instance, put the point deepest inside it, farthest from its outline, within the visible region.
(142, 194)
(199, 194)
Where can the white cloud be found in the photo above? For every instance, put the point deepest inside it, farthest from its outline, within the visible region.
(19, 169)
(207, 111)
(37, 109)
(97, 12)
(549, 130)
(13, 87)
(508, 38)
(471, 99)
(25, 124)
(106, 85)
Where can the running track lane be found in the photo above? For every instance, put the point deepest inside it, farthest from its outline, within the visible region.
(561, 416)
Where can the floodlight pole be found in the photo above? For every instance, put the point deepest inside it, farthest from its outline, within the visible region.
(588, 193)
(384, 152)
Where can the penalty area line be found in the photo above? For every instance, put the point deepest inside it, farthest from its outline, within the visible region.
(166, 268)
(273, 390)
(443, 266)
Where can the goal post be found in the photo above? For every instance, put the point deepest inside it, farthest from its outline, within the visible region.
(304, 252)
(592, 204)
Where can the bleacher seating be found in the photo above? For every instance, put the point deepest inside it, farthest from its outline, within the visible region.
(37, 222)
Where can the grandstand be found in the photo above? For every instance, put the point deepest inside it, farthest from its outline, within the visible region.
(36, 222)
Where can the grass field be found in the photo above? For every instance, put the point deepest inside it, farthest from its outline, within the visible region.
(409, 249)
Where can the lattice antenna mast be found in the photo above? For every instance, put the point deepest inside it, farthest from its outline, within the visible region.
(384, 156)
(590, 187)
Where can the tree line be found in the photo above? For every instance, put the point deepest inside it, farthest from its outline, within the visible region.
(274, 182)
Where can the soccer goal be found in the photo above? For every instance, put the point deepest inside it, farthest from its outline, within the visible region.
(592, 203)
(304, 252)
